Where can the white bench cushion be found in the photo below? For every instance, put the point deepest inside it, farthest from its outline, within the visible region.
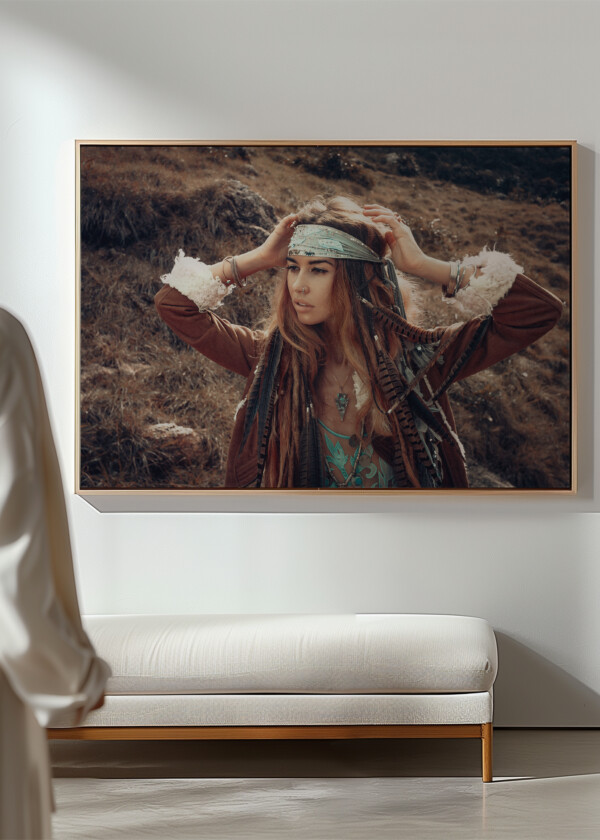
(293, 709)
(295, 654)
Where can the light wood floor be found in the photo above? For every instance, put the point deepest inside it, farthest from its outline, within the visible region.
(547, 786)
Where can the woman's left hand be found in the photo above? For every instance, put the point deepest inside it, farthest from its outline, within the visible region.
(274, 249)
(406, 254)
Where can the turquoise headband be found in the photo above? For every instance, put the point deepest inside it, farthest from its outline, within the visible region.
(324, 241)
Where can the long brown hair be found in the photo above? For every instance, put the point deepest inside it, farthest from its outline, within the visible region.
(305, 348)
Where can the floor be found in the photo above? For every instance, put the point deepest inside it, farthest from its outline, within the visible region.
(547, 786)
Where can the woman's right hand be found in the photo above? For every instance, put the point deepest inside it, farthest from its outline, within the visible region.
(272, 253)
(274, 249)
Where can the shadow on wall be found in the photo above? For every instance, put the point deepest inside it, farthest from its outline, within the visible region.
(584, 346)
(532, 691)
(110, 37)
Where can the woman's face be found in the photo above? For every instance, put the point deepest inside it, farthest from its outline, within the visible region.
(310, 284)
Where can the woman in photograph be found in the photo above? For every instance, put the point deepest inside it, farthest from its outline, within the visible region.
(344, 389)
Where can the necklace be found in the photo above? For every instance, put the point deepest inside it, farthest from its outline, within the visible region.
(342, 399)
(357, 454)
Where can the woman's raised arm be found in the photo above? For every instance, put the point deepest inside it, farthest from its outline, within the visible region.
(408, 257)
(271, 254)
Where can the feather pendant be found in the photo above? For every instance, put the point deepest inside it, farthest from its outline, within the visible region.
(402, 327)
(260, 393)
(399, 466)
(419, 408)
(265, 402)
(269, 382)
(311, 457)
(392, 382)
(391, 278)
(264, 440)
(390, 378)
(464, 358)
(252, 400)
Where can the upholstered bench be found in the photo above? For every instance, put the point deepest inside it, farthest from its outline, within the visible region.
(294, 676)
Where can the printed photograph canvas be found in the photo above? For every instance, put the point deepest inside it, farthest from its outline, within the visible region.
(349, 318)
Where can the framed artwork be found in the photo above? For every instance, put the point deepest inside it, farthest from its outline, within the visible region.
(441, 363)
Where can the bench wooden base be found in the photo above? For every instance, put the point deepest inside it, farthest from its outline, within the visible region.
(483, 731)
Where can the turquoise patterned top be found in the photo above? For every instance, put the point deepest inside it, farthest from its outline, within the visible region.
(371, 472)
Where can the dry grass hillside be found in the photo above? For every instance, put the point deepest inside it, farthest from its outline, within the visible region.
(155, 414)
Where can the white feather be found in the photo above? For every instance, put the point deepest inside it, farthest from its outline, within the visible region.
(361, 393)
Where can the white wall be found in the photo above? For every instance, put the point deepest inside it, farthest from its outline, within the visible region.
(326, 70)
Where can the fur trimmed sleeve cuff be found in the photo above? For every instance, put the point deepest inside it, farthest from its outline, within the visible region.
(497, 273)
(195, 280)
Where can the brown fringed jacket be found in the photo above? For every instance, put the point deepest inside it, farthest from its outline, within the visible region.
(519, 312)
